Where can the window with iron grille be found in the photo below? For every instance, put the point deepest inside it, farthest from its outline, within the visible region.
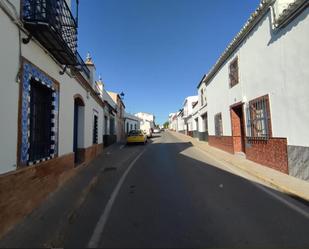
(95, 130)
(40, 121)
(233, 72)
(218, 125)
(258, 119)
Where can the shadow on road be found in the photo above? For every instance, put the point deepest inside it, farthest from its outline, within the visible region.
(178, 200)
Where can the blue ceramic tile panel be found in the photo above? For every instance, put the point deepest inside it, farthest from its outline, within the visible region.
(33, 72)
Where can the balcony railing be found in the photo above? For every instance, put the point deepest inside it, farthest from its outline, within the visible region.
(53, 25)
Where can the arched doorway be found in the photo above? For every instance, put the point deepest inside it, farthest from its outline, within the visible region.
(78, 135)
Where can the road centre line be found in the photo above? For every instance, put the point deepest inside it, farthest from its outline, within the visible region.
(95, 238)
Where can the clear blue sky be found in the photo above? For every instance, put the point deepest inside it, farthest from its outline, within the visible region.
(156, 51)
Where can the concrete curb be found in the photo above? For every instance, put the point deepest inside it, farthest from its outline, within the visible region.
(283, 188)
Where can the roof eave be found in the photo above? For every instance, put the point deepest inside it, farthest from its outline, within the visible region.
(242, 34)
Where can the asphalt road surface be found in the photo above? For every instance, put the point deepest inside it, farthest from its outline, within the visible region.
(170, 195)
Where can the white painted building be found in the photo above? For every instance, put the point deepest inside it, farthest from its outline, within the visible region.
(195, 119)
(32, 63)
(172, 121)
(201, 116)
(51, 107)
(147, 123)
(110, 124)
(146, 116)
(188, 106)
(256, 98)
(131, 122)
(120, 112)
(181, 127)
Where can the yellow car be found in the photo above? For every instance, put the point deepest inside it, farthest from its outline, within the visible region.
(136, 136)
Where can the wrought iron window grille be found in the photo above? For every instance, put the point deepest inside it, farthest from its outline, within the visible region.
(258, 120)
(233, 72)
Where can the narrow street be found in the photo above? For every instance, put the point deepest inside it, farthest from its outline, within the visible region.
(172, 196)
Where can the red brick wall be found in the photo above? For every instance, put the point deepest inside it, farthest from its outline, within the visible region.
(93, 151)
(222, 142)
(86, 155)
(23, 190)
(271, 153)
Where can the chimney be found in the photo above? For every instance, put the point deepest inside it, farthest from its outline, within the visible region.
(92, 70)
(100, 86)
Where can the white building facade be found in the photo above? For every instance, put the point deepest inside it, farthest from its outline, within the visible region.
(188, 106)
(147, 123)
(181, 127)
(172, 121)
(257, 92)
(131, 123)
(34, 71)
(51, 107)
(110, 120)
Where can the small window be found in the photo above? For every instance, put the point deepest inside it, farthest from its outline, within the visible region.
(95, 130)
(135, 127)
(233, 74)
(218, 125)
(258, 119)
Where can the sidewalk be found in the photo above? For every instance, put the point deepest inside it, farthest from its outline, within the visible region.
(46, 225)
(285, 183)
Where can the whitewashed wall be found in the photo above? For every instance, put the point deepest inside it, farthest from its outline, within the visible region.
(187, 106)
(9, 93)
(218, 96)
(180, 124)
(269, 63)
(68, 88)
(202, 103)
(133, 123)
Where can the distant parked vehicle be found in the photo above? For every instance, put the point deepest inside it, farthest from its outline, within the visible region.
(148, 133)
(156, 130)
(136, 136)
(146, 126)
